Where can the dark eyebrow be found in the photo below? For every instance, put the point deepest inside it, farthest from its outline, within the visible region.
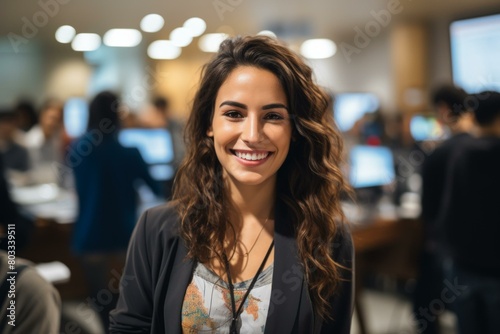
(243, 106)
(234, 104)
(274, 106)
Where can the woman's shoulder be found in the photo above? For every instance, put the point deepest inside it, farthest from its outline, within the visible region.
(160, 221)
(343, 231)
(343, 247)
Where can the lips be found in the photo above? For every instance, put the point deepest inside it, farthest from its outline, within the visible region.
(251, 155)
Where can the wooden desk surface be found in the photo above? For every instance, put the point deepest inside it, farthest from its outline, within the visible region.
(380, 233)
(388, 247)
(391, 246)
(51, 241)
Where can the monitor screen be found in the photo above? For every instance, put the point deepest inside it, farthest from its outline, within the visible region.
(76, 117)
(371, 166)
(424, 127)
(161, 172)
(350, 107)
(475, 50)
(155, 145)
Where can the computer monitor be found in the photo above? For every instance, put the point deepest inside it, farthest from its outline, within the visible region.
(426, 127)
(76, 116)
(155, 145)
(475, 50)
(350, 107)
(156, 148)
(371, 166)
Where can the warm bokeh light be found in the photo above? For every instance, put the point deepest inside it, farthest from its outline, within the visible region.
(211, 42)
(163, 49)
(180, 37)
(195, 26)
(65, 34)
(319, 48)
(86, 42)
(122, 37)
(268, 33)
(152, 23)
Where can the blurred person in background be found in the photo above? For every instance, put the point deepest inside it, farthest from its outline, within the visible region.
(26, 115)
(470, 217)
(44, 143)
(158, 114)
(106, 179)
(393, 137)
(10, 214)
(174, 126)
(16, 157)
(393, 131)
(129, 120)
(450, 105)
(37, 304)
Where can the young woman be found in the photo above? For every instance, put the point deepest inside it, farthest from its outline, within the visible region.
(254, 241)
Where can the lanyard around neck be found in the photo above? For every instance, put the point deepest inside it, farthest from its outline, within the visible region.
(236, 313)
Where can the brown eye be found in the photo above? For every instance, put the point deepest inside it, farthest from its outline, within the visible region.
(233, 114)
(274, 116)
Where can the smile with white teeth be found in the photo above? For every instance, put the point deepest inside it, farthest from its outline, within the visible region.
(251, 156)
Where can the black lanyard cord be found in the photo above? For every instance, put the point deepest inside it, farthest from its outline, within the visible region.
(236, 313)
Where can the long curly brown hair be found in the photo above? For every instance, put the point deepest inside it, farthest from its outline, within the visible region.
(310, 182)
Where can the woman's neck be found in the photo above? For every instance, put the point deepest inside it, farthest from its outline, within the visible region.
(251, 202)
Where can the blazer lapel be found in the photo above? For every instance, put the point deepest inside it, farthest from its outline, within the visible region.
(288, 278)
(180, 274)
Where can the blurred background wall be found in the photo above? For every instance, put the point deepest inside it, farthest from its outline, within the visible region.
(369, 51)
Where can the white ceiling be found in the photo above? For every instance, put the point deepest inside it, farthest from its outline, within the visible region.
(320, 18)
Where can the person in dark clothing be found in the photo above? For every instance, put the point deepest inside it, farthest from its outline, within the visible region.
(37, 302)
(162, 118)
(106, 176)
(470, 218)
(10, 214)
(26, 114)
(450, 104)
(15, 156)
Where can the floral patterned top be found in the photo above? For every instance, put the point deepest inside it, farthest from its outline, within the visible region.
(207, 303)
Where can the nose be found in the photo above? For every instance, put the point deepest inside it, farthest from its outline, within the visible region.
(252, 129)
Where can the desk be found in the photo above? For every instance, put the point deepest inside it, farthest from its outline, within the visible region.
(55, 210)
(47, 201)
(387, 246)
(51, 242)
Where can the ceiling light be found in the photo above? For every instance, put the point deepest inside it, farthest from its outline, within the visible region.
(65, 34)
(122, 37)
(320, 48)
(195, 26)
(180, 37)
(211, 42)
(86, 42)
(163, 49)
(268, 33)
(152, 23)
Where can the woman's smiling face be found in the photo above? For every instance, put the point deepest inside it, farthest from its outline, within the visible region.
(251, 126)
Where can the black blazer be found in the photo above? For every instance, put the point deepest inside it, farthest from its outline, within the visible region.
(157, 274)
